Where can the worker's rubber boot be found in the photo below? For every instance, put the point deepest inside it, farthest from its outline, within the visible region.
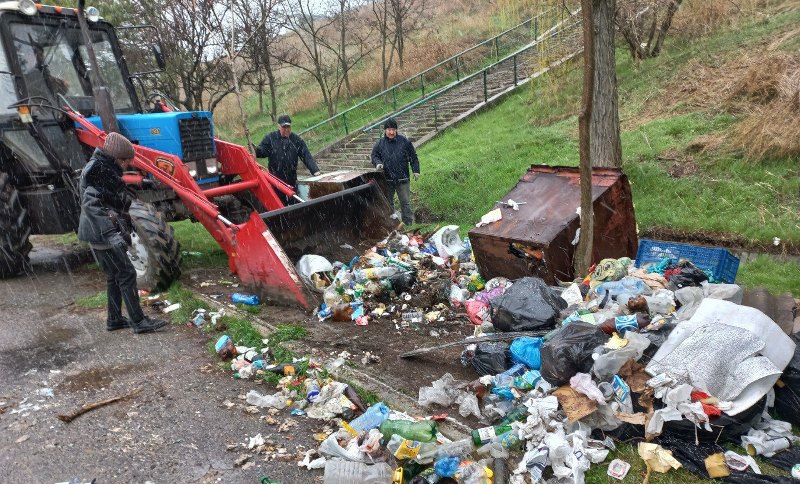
(148, 325)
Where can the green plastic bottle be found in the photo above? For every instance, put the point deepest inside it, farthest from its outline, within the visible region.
(487, 434)
(422, 431)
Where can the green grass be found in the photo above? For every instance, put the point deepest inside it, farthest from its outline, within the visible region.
(629, 453)
(283, 334)
(194, 237)
(777, 276)
(466, 170)
(177, 293)
(99, 300)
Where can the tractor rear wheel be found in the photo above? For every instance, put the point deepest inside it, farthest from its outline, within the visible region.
(154, 252)
(15, 230)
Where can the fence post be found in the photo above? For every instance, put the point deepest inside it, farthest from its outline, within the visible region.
(394, 99)
(485, 86)
(515, 69)
(344, 121)
(422, 84)
(535, 28)
(435, 117)
(458, 74)
(496, 48)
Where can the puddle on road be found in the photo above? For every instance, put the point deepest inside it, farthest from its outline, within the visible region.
(97, 378)
(49, 350)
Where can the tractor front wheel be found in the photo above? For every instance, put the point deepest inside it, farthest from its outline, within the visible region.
(15, 230)
(154, 252)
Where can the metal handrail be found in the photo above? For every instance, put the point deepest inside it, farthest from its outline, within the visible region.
(420, 75)
(463, 80)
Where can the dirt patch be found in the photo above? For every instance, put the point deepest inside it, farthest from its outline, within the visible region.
(677, 164)
(98, 378)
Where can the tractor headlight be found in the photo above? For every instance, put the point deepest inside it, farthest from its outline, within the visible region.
(92, 14)
(211, 167)
(28, 7)
(192, 166)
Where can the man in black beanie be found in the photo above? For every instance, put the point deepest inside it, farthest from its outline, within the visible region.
(392, 154)
(105, 225)
(283, 149)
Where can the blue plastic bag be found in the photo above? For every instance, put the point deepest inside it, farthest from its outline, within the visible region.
(525, 350)
(447, 466)
(372, 418)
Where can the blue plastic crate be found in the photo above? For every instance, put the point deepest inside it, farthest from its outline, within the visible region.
(720, 262)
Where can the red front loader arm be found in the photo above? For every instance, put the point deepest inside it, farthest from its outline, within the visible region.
(253, 253)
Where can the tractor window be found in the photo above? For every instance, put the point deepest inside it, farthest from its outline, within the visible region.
(53, 61)
(47, 61)
(107, 62)
(7, 94)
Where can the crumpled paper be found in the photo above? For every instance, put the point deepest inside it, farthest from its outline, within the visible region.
(582, 383)
(657, 458)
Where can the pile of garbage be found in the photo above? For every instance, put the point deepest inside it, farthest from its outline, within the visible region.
(405, 279)
(658, 354)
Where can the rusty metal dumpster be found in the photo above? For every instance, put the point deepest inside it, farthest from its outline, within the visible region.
(538, 239)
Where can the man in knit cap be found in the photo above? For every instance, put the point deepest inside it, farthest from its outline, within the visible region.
(105, 225)
(393, 153)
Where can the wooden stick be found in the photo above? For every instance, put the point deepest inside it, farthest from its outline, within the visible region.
(91, 406)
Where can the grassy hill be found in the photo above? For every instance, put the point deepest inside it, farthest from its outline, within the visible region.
(690, 171)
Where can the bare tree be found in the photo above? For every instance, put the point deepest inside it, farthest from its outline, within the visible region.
(197, 76)
(583, 253)
(319, 52)
(407, 18)
(606, 147)
(644, 24)
(387, 41)
(260, 27)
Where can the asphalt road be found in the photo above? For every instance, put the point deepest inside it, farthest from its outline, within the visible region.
(178, 428)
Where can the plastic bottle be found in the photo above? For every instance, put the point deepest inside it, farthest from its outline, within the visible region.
(340, 471)
(248, 299)
(517, 415)
(422, 431)
(620, 324)
(488, 434)
(403, 448)
(342, 312)
(275, 401)
(351, 395)
(312, 389)
(283, 369)
(374, 273)
(372, 418)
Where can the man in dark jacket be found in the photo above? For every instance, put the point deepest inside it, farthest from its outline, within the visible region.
(105, 225)
(392, 154)
(283, 148)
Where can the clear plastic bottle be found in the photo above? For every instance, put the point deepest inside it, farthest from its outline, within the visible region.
(372, 418)
(374, 273)
(340, 471)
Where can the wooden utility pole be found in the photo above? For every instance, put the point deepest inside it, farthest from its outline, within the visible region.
(583, 252)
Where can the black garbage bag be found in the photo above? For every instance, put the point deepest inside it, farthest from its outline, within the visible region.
(527, 305)
(491, 358)
(688, 276)
(787, 391)
(402, 281)
(569, 351)
(692, 457)
(724, 428)
(657, 338)
(786, 459)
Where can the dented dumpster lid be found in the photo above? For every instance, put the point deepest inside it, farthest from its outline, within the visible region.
(551, 196)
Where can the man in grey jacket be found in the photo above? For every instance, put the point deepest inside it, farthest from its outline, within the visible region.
(105, 225)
